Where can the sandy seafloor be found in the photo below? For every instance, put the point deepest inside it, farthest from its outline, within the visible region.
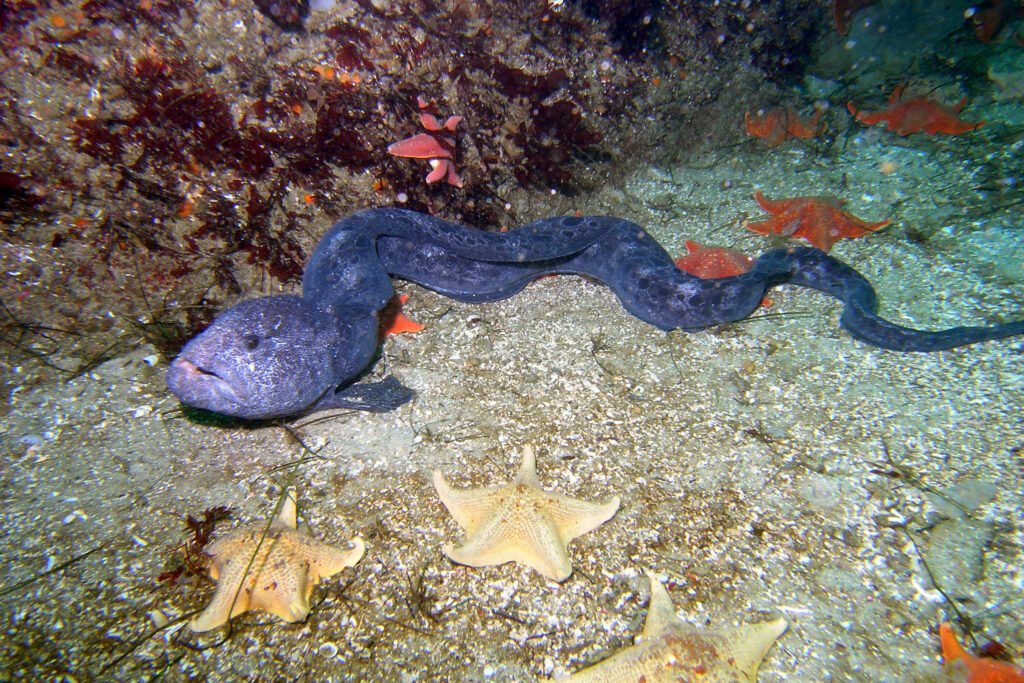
(770, 467)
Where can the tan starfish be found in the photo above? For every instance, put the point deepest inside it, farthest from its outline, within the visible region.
(672, 650)
(276, 572)
(1009, 84)
(520, 522)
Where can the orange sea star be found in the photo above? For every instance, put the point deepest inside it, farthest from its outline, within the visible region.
(712, 262)
(391, 320)
(777, 125)
(916, 115)
(978, 669)
(819, 220)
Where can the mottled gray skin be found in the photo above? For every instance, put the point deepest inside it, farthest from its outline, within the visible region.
(282, 356)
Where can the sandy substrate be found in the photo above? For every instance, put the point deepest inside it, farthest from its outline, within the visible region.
(772, 467)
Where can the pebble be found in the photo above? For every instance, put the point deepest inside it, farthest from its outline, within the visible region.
(158, 618)
(75, 514)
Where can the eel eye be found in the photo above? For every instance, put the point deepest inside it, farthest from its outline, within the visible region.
(250, 342)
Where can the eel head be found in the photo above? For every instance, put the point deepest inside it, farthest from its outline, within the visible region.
(263, 358)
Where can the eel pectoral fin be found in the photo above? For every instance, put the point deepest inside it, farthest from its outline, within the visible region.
(374, 397)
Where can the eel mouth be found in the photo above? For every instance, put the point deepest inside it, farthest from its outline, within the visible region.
(191, 369)
(199, 386)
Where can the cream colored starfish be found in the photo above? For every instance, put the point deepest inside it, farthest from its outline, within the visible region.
(672, 650)
(276, 572)
(520, 522)
(1009, 84)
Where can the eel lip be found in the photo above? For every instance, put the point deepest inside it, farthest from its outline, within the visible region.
(189, 368)
(191, 382)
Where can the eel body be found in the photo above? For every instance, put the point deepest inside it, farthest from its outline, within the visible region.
(280, 356)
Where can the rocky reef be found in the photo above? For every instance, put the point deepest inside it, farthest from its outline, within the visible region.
(162, 157)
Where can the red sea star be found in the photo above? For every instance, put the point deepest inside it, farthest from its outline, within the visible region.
(777, 125)
(978, 669)
(917, 114)
(708, 263)
(391, 320)
(712, 262)
(819, 220)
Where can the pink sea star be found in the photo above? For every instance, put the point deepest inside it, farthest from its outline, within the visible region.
(434, 146)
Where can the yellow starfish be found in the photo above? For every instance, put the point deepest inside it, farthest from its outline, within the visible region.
(520, 522)
(276, 572)
(672, 650)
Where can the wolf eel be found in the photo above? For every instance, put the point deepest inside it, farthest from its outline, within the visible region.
(280, 356)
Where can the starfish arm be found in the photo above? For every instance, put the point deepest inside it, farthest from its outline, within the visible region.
(951, 647)
(844, 224)
(639, 662)
(429, 121)
(797, 127)
(872, 227)
(951, 126)
(288, 515)
(660, 612)
(769, 205)
(487, 545)
(467, 506)
(452, 177)
(353, 556)
(528, 469)
(541, 546)
(748, 644)
(868, 118)
(751, 124)
(438, 172)
(326, 560)
(230, 543)
(224, 604)
(860, 115)
(575, 517)
(284, 594)
(765, 227)
(420, 146)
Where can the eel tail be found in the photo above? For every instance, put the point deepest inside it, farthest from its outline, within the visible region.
(813, 268)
